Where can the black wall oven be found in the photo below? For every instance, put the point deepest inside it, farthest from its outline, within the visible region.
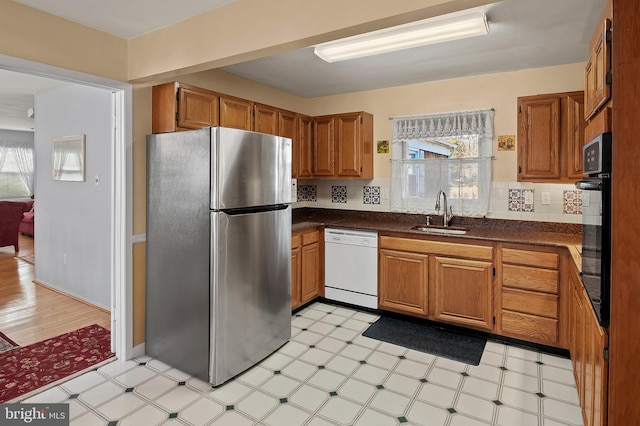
(596, 224)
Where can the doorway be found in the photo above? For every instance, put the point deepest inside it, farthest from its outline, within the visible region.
(120, 209)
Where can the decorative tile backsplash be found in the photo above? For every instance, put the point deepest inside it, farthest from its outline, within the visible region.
(371, 195)
(509, 200)
(572, 202)
(521, 200)
(308, 193)
(339, 194)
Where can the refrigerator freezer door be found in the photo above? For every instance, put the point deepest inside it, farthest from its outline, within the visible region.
(250, 169)
(250, 289)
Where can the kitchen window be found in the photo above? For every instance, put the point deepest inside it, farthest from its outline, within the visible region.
(450, 151)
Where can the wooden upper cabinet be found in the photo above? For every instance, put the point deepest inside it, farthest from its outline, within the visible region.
(551, 131)
(539, 138)
(598, 69)
(348, 148)
(323, 146)
(305, 146)
(288, 127)
(343, 145)
(265, 119)
(575, 135)
(177, 106)
(236, 113)
(354, 145)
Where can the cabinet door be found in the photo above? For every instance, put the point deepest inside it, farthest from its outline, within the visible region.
(601, 64)
(265, 119)
(574, 134)
(305, 136)
(403, 281)
(197, 108)
(462, 292)
(296, 261)
(236, 113)
(310, 272)
(348, 145)
(539, 138)
(288, 127)
(323, 146)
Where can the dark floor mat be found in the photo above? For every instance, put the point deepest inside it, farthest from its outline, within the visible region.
(428, 338)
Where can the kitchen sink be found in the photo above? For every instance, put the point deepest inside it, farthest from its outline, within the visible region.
(440, 230)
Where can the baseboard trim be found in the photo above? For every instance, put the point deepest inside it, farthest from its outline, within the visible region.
(139, 350)
(74, 297)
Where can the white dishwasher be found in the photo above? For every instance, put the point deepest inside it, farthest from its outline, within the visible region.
(351, 266)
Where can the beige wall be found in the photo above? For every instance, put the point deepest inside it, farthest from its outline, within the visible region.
(498, 91)
(250, 29)
(29, 34)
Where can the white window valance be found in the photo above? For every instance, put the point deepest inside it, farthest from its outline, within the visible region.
(466, 181)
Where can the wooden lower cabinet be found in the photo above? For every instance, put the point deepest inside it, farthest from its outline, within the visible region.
(462, 292)
(403, 282)
(588, 346)
(306, 267)
(530, 307)
(442, 281)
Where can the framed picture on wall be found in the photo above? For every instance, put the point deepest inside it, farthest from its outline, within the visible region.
(69, 158)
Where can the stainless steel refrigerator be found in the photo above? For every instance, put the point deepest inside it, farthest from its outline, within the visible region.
(218, 277)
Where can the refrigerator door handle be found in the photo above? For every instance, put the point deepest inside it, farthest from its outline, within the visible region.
(258, 209)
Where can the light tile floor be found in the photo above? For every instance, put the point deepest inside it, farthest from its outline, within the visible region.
(328, 374)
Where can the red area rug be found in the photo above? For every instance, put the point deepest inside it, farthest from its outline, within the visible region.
(6, 344)
(25, 369)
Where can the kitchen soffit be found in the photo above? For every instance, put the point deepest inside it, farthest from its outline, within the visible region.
(523, 34)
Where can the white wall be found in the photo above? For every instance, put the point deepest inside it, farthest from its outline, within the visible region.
(16, 136)
(72, 221)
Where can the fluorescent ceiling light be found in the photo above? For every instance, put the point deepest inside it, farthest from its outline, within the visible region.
(420, 33)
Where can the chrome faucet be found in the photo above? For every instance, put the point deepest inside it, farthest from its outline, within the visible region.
(447, 216)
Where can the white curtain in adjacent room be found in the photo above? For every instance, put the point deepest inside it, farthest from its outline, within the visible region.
(23, 155)
(464, 174)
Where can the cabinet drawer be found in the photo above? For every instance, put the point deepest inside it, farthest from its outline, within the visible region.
(531, 258)
(530, 327)
(528, 278)
(469, 251)
(296, 240)
(542, 304)
(310, 237)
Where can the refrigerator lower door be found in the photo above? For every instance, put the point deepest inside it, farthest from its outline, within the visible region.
(250, 289)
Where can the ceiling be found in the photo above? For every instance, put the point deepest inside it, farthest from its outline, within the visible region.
(522, 34)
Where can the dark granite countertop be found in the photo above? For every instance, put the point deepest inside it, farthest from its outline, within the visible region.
(399, 224)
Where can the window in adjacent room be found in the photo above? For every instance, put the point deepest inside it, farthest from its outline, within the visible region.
(16, 170)
(452, 152)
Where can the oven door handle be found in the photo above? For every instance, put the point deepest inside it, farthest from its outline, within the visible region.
(589, 185)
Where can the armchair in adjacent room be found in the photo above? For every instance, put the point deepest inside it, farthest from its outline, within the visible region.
(10, 218)
(26, 226)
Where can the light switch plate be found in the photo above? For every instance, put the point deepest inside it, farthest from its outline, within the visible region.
(294, 190)
(545, 198)
(528, 197)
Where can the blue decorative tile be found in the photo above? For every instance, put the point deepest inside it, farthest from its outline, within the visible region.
(308, 193)
(371, 195)
(339, 194)
(516, 199)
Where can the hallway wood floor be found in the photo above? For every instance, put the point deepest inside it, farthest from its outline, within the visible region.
(31, 312)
